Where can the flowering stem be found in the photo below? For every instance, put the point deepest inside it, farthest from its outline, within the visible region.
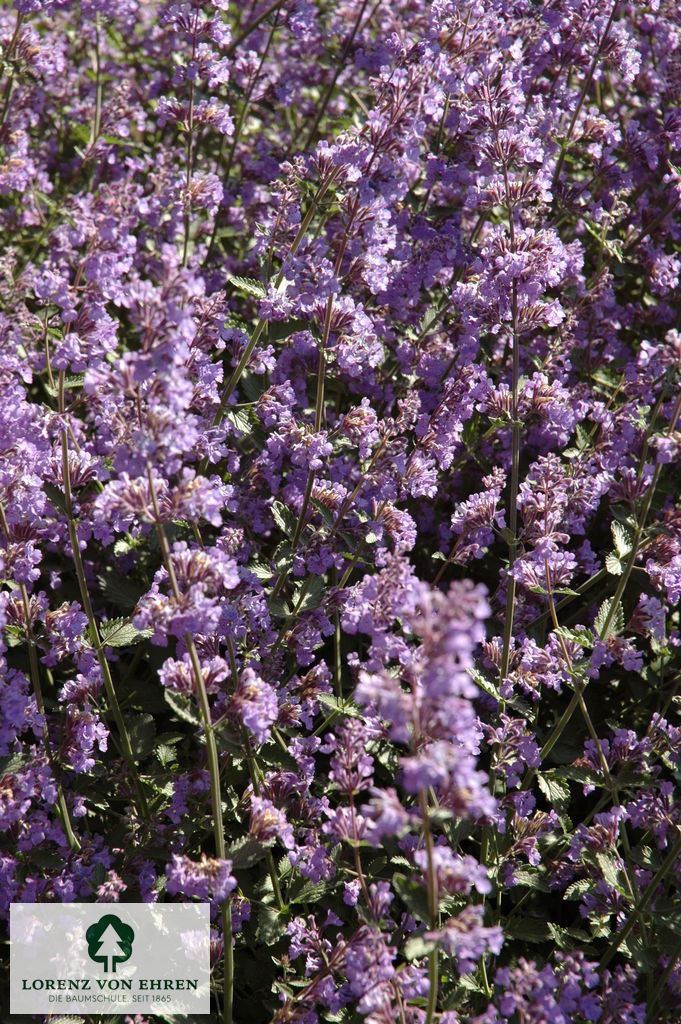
(62, 807)
(262, 323)
(356, 853)
(236, 43)
(190, 151)
(321, 373)
(255, 782)
(35, 676)
(7, 57)
(211, 755)
(433, 904)
(337, 660)
(661, 982)
(658, 877)
(332, 84)
(513, 494)
(619, 591)
(582, 96)
(96, 122)
(247, 99)
(629, 872)
(237, 133)
(335, 526)
(112, 700)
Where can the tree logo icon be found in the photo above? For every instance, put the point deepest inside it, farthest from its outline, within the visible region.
(109, 942)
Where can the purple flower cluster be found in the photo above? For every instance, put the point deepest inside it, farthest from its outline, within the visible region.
(340, 526)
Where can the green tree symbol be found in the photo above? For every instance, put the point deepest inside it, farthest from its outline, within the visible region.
(109, 942)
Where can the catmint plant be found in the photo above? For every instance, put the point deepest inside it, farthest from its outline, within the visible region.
(340, 525)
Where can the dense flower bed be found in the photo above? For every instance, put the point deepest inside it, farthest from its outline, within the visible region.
(340, 527)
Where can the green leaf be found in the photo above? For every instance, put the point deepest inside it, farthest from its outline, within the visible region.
(622, 538)
(166, 754)
(47, 859)
(313, 596)
(577, 889)
(343, 707)
(413, 895)
(118, 589)
(613, 565)
(15, 636)
(485, 684)
(82, 132)
(271, 925)
(326, 514)
(181, 706)
(249, 285)
(428, 320)
(564, 938)
(246, 851)
(55, 495)
(261, 570)
(285, 519)
(282, 558)
(280, 608)
(557, 793)
(616, 625)
(142, 731)
(611, 870)
(121, 633)
(310, 892)
(417, 947)
(529, 878)
(278, 330)
(122, 546)
(527, 929)
(583, 636)
(75, 380)
(240, 419)
(13, 763)
(583, 437)
(68, 1020)
(606, 376)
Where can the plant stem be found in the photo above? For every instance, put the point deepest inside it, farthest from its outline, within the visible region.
(99, 85)
(236, 43)
(190, 151)
(515, 454)
(262, 323)
(7, 57)
(337, 635)
(433, 904)
(332, 84)
(255, 782)
(237, 134)
(319, 402)
(62, 808)
(629, 872)
(659, 875)
(619, 591)
(211, 755)
(112, 700)
(582, 96)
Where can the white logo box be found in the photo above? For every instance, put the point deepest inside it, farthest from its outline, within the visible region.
(110, 958)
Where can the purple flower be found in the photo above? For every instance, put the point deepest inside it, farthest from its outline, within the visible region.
(205, 879)
(254, 703)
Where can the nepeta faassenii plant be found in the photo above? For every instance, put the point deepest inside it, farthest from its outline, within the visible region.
(340, 520)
